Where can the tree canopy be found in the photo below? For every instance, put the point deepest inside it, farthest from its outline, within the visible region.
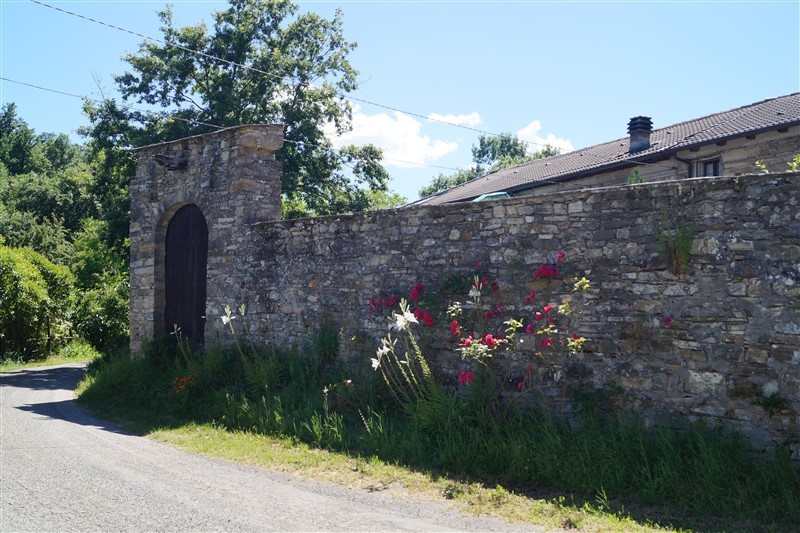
(260, 62)
(490, 154)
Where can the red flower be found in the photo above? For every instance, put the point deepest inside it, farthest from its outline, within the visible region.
(489, 340)
(519, 385)
(417, 291)
(530, 329)
(560, 257)
(576, 336)
(529, 298)
(529, 368)
(538, 316)
(667, 321)
(418, 313)
(489, 315)
(547, 309)
(546, 271)
(467, 341)
(466, 377)
(454, 329)
(545, 342)
(495, 286)
(427, 319)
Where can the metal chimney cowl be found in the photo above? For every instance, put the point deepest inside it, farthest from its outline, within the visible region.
(640, 129)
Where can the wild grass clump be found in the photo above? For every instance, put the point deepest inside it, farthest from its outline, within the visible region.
(331, 405)
(396, 410)
(77, 350)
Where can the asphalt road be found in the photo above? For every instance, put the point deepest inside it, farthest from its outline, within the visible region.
(62, 470)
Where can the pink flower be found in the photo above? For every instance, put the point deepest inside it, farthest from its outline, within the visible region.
(454, 328)
(489, 340)
(529, 368)
(519, 385)
(538, 316)
(530, 329)
(560, 257)
(416, 292)
(467, 341)
(667, 321)
(545, 342)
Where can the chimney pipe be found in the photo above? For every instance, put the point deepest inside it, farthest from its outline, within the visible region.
(640, 129)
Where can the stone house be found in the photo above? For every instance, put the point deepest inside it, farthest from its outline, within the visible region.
(723, 144)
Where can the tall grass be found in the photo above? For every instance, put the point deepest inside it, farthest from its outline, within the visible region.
(343, 407)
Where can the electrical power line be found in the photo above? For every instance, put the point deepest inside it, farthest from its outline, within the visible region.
(339, 94)
(271, 75)
(161, 114)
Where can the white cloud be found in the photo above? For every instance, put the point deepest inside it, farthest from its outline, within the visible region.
(473, 119)
(531, 134)
(398, 134)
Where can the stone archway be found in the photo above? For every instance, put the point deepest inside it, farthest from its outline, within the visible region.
(185, 267)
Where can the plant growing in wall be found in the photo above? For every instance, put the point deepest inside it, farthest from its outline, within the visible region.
(634, 178)
(675, 242)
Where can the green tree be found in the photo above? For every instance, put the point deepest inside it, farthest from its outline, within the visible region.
(492, 153)
(298, 72)
(16, 141)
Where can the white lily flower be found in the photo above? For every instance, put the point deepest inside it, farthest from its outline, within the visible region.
(401, 322)
(375, 363)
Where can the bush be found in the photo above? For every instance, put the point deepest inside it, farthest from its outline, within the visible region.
(36, 300)
(101, 316)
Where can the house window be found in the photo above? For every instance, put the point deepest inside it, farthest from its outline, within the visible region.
(707, 168)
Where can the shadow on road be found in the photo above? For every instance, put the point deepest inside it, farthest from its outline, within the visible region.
(47, 378)
(56, 378)
(70, 411)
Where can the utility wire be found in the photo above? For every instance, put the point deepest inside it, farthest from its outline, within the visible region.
(170, 116)
(90, 99)
(271, 75)
(339, 94)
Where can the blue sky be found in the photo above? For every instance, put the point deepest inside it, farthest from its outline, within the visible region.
(568, 73)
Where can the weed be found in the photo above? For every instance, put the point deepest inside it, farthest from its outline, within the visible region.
(634, 178)
(675, 239)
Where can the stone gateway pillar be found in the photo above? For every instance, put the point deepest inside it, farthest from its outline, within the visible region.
(205, 193)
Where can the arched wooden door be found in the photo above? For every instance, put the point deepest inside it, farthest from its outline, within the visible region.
(185, 273)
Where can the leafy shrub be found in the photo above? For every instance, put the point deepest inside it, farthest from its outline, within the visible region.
(36, 300)
(101, 316)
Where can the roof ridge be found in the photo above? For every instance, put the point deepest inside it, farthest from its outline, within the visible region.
(686, 137)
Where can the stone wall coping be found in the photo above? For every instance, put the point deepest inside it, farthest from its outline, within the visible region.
(724, 181)
(203, 136)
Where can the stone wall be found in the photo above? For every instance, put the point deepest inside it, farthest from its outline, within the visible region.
(735, 332)
(734, 339)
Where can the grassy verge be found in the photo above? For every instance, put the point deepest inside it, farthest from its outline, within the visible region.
(327, 420)
(74, 352)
